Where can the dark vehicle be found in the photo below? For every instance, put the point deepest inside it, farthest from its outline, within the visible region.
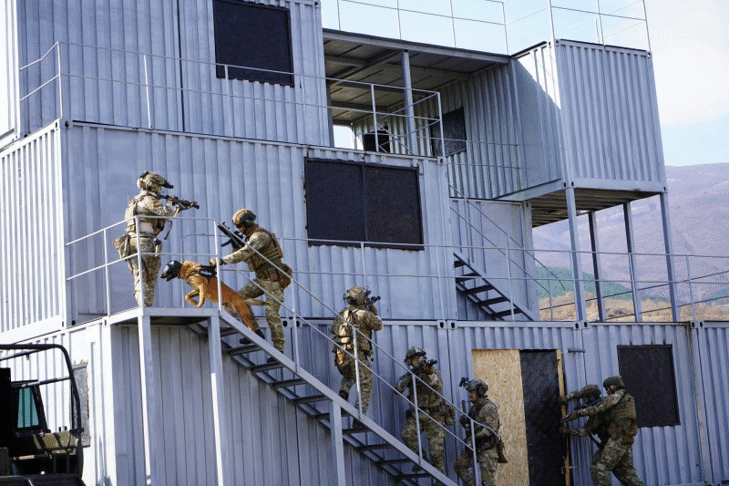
(30, 454)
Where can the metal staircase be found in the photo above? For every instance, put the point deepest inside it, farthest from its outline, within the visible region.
(321, 403)
(472, 282)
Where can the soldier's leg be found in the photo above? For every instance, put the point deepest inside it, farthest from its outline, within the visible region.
(274, 299)
(488, 460)
(625, 472)
(152, 265)
(251, 291)
(462, 466)
(365, 383)
(436, 443)
(612, 454)
(346, 368)
(409, 434)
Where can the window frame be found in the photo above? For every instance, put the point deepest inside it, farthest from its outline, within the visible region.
(362, 193)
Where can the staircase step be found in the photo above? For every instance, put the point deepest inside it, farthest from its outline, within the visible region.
(458, 263)
(372, 447)
(266, 367)
(479, 289)
(238, 350)
(506, 313)
(312, 398)
(287, 383)
(495, 300)
(228, 331)
(385, 462)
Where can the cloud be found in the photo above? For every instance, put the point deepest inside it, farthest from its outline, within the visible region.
(690, 44)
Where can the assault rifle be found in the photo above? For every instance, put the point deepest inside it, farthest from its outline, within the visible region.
(183, 204)
(235, 238)
(423, 365)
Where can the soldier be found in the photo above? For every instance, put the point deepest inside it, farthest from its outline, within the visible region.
(263, 255)
(485, 415)
(358, 321)
(617, 455)
(147, 203)
(428, 388)
(595, 425)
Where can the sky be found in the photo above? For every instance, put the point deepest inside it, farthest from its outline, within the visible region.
(689, 40)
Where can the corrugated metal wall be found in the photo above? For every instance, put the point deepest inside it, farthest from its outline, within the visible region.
(610, 113)
(151, 64)
(539, 116)
(223, 176)
(8, 75)
(273, 444)
(31, 209)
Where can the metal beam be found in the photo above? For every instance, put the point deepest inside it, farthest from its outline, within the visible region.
(220, 423)
(628, 218)
(409, 110)
(596, 266)
(668, 245)
(576, 264)
(150, 400)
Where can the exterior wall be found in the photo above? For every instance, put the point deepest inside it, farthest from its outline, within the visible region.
(151, 65)
(225, 175)
(610, 113)
(272, 443)
(32, 291)
(8, 76)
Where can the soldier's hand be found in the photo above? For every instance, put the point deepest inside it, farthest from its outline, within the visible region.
(213, 262)
(464, 421)
(373, 309)
(563, 429)
(570, 417)
(562, 400)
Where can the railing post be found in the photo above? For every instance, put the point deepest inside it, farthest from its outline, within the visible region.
(60, 81)
(691, 290)
(375, 129)
(106, 274)
(628, 218)
(409, 108)
(217, 384)
(508, 276)
(150, 400)
(416, 411)
(228, 113)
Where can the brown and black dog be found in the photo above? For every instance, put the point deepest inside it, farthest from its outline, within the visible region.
(204, 283)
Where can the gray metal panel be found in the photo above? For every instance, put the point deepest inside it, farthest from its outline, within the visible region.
(123, 63)
(609, 110)
(538, 104)
(8, 74)
(31, 209)
(224, 175)
(712, 340)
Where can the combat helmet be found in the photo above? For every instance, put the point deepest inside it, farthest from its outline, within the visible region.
(244, 217)
(413, 353)
(478, 386)
(615, 381)
(151, 181)
(590, 392)
(356, 295)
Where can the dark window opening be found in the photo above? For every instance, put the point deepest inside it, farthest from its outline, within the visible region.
(454, 134)
(255, 36)
(648, 375)
(377, 143)
(352, 202)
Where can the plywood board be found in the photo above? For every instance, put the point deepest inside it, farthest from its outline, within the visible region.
(501, 370)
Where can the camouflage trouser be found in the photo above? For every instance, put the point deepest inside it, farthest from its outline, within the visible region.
(435, 434)
(150, 266)
(618, 458)
(274, 298)
(488, 459)
(346, 365)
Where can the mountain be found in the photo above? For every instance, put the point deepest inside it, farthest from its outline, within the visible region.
(699, 213)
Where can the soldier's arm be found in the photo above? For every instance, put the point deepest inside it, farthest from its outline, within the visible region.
(159, 208)
(436, 383)
(489, 416)
(373, 322)
(403, 382)
(604, 405)
(258, 241)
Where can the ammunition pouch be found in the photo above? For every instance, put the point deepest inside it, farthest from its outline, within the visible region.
(124, 246)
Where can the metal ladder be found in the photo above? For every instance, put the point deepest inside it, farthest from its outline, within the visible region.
(494, 301)
(306, 391)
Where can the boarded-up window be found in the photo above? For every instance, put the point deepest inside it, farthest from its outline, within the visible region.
(649, 376)
(254, 36)
(454, 134)
(350, 202)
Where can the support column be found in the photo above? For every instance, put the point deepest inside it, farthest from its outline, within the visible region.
(220, 421)
(596, 267)
(668, 245)
(150, 400)
(628, 217)
(576, 264)
(409, 109)
(335, 421)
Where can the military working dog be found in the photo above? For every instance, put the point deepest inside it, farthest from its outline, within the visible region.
(204, 282)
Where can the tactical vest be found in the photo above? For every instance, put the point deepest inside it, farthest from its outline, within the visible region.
(484, 442)
(155, 225)
(262, 263)
(622, 419)
(427, 397)
(344, 333)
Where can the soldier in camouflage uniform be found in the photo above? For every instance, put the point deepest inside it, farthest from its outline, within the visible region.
(358, 320)
(147, 203)
(596, 424)
(484, 413)
(428, 389)
(617, 455)
(263, 255)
